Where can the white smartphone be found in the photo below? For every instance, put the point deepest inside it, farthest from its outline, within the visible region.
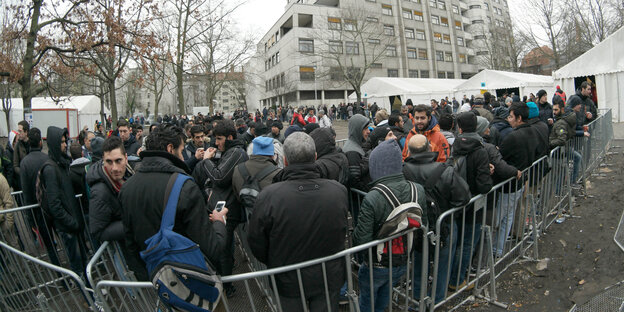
(219, 206)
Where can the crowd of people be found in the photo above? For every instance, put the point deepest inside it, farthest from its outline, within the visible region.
(442, 154)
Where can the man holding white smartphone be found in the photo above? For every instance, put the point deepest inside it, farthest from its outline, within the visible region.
(195, 149)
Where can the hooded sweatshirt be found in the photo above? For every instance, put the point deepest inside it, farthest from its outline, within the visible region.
(330, 162)
(470, 144)
(358, 163)
(357, 123)
(437, 141)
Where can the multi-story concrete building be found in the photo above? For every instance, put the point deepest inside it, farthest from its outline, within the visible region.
(489, 23)
(304, 58)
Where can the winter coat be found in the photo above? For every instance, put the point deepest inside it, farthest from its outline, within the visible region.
(143, 199)
(279, 137)
(502, 170)
(131, 146)
(20, 150)
(450, 190)
(104, 205)
(7, 230)
(245, 139)
(189, 154)
(587, 105)
(216, 177)
(563, 130)
(60, 197)
(503, 127)
(437, 141)
(484, 113)
(78, 176)
(278, 150)
(254, 165)
(375, 208)
(324, 122)
(477, 162)
(542, 134)
(30, 166)
(518, 149)
(6, 165)
(545, 113)
(330, 161)
(356, 157)
(400, 135)
(302, 218)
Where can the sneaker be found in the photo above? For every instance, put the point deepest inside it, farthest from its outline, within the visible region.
(343, 299)
(230, 291)
(454, 288)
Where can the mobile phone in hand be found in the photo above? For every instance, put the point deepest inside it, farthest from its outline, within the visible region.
(219, 206)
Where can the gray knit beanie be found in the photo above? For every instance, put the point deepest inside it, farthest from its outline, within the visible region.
(385, 160)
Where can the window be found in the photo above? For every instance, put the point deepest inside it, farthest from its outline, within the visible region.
(455, 9)
(433, 3)
(437, 37)
(393, 72)
(376, 65)
(483, 53)
(391, 50)
(489, 19)
(441, 5)
(479, 37)
(424, 74)
(412, 73)
(435, 20)
(374, 41)
(386, 9)
(439, 56)
(422, 55)
(352, 48)
(389, 30)
(420, 34)
(277, 57)
(335, 47)
(306, 73)
(441, 74)
(460, 41)
(306, 45)
(475, 6)
(407, 14)
(370, 0)
(412, 53)
(477, 21)
(444, 21)
(487, 6)
(448, 57)
(418, 16)
(334, 23)
(409, 33)
(335, 73)
(458, 25)
(450, 75)
(446, 39)
(350, 25)
(372, 19)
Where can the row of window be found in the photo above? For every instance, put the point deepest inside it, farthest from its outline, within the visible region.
(275, 82)
(271, 61)
(413, 73)
(386, 9)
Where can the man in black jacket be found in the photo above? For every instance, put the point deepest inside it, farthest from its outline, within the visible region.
(445, 190)
(587, 112)
(281, 231)
(478, 170)
(143, 201)
(130, 143)
(194, 150)
(60, 200)
(330, 161)
(29, 167)
(216, 176)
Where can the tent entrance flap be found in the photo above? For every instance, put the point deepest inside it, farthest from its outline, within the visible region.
(509, 91)
(592, 80)
(396, 103)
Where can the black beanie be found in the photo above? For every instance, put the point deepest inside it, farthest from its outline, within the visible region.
(467, 122)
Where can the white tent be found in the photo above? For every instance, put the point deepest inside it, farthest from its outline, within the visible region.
(605, 61)
(492, 80)
(419, 90)
(72, 113)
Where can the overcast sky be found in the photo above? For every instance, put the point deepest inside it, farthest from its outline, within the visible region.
(257, 16)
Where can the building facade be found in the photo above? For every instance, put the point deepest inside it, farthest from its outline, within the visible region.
(306, 55)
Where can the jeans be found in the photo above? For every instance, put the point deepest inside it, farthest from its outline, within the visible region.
(577, 165)
(458, 273)
(76, 252)
(227, 259)
(505, 212)
(380, 287)
(314, 303)
(447, 253)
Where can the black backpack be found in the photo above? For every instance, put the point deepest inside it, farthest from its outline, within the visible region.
(251, 187)
(41, 192)
(459, 163)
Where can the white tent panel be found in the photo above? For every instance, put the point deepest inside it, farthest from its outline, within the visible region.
(494, 80)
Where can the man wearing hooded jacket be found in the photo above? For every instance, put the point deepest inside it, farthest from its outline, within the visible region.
(427, 125)
(358, 161)
(330, 162)
(60, 201)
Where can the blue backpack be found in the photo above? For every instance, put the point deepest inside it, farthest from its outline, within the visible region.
(183, 277)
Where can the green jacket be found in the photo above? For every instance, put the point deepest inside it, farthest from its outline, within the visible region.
(563, 130)
(375, 208)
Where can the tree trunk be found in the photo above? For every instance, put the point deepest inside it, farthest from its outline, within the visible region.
(113, 102)
(180, 86)
(26, 80)
(7, 115)
(358, 92)
(156, 101)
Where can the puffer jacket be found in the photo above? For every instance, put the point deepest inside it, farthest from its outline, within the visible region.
(60, 198)
(563, 130)
(330, 161)
(104, 205)
(437, 141)
(477, 162)
(302, 218)
(375, 209)
(215, 176)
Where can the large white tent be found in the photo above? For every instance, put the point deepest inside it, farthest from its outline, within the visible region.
(72, 113)
(605, 62)
(419, 90)
(492, 80)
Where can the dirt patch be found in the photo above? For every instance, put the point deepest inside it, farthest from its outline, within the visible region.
(582, 258)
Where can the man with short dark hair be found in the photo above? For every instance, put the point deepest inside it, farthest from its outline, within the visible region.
(427, 124)
(20, 150)
(276, 131)
(280, 228)
(195, 148)
(216, 174)
(587, 112)
(143, 201)
(396, 124)
(130, 143)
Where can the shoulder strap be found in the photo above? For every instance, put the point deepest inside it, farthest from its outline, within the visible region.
(414, 191)
(173, 189)
(435, 176)
(387, 193)
(265, 172)
(243, 171)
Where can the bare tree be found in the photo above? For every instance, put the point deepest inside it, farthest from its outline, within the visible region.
(546, 24)
(357, 43)
(596, 18)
